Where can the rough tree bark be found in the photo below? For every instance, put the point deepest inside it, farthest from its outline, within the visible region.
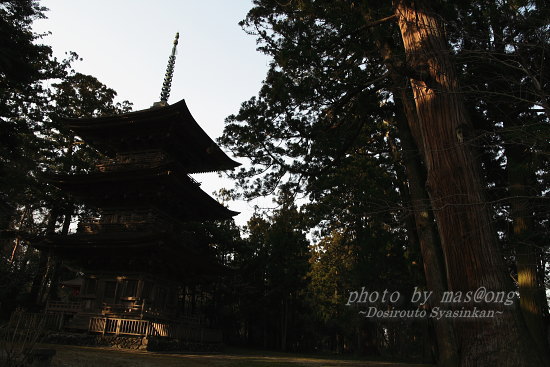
(455, 187)
(428, 237)
(434, 270)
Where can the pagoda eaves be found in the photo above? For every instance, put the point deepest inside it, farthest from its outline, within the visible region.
(177, 194)
(171, 128)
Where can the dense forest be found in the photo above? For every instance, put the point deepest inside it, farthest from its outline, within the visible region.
(406, 144)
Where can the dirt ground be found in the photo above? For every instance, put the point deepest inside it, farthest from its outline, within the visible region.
(73, 356)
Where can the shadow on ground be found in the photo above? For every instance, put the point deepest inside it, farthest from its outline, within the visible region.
(74, 356)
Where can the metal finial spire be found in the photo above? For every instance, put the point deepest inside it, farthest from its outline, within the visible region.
(165, 93)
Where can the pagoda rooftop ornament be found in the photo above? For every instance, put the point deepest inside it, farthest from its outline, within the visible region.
(167, 85)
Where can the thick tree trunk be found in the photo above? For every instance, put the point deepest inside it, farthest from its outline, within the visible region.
(456, 193)
(434, 270)
(426, 230)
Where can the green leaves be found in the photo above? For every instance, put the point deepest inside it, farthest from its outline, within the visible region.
(35, 91)
(315, 101)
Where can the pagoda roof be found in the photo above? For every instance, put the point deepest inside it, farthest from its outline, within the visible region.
(171, 128)
(124, 252)
(163, 187)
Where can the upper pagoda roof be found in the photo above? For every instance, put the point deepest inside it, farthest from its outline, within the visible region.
(163, 187)
(171, 128)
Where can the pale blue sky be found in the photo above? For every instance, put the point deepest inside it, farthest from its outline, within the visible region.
(126, 45)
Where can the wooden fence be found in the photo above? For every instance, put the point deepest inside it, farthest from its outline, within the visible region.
(36, 321)
(148, 328)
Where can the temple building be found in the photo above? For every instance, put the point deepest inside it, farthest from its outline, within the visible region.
(140, 256)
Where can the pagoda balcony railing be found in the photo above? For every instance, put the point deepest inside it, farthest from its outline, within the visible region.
(63, 307)
(142, 310)
(98, 227)
(124, 221)
(147, 328)
(135, 161)
(132, 161)
(123, 310)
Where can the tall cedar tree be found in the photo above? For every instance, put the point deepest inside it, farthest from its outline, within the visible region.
(455, 185)
(322, 70)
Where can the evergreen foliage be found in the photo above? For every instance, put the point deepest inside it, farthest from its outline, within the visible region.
(328, 123)
(36, 91)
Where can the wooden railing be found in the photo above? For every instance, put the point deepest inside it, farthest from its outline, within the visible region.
(119, 326)
(64, 307)
(132, 310)
(141, 310)
(133, 160)
(122, 221)
(149, 328)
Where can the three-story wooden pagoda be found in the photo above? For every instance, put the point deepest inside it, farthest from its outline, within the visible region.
(139, 255)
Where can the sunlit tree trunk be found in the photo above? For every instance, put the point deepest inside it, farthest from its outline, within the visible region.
(434, 269)
(426, 230)
(456, 193)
